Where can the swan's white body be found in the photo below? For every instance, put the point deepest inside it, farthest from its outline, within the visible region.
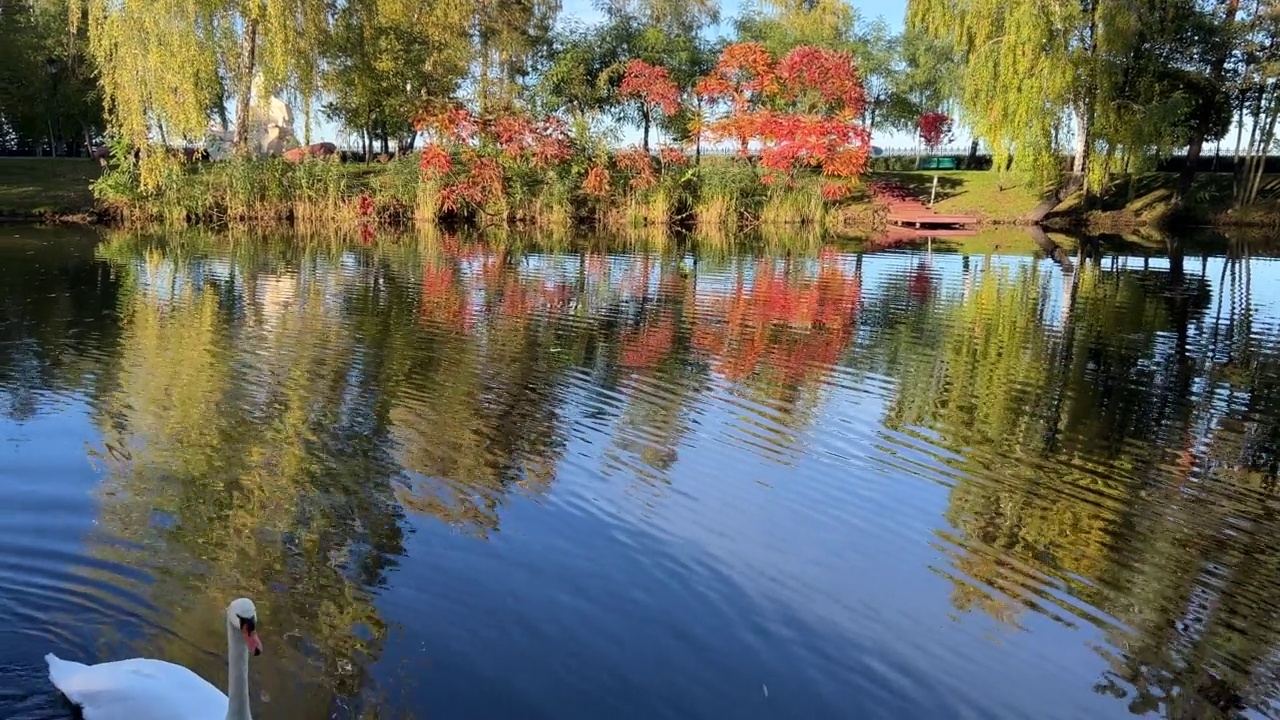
(137, 689)
(145, 689)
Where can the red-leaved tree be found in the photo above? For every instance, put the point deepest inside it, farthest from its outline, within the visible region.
(803, 110)
(743, 77)
(651, 88)
(935, 129)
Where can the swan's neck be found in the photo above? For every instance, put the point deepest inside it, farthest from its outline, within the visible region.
(237, 676)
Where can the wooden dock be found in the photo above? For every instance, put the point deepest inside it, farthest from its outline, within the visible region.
(896, 235)
(907, 211)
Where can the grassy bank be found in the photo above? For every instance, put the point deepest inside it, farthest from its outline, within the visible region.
(1148, 200)
(47, 188)
(1145, 200)
(720, 196)
(628, 189)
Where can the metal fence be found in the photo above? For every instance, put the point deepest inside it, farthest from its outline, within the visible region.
(949, 150)
(876, 151)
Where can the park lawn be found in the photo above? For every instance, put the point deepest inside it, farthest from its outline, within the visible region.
(31, 187)
(984, 194)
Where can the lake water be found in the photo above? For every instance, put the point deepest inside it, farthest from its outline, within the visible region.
(512, 479)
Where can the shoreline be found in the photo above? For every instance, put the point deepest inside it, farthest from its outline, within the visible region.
(57, 191)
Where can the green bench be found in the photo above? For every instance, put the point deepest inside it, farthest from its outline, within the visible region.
(937, 163)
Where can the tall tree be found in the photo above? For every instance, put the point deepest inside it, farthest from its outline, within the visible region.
(1096, 72)
(506, 36)
(1019, 79)
(47, 87)
(922, 81)
(166, 66)
(384, 65)
(1206, 120)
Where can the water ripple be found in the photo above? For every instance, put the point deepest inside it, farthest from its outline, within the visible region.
(504, 478)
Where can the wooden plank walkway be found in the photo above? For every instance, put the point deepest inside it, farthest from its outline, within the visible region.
(894, 235)
(905, 210)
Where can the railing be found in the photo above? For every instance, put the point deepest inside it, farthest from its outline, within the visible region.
(952, 150)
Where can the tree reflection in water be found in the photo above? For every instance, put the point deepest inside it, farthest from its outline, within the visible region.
(270, 410)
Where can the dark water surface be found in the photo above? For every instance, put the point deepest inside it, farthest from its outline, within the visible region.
(488, 480)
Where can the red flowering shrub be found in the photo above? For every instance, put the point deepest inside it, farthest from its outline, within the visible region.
(491, 151)
(673, 156)
(742, 75)
(638, 165)
(823, 80)
(435, 161)
(552, 146)
(597, 181)
(835, 191)
(454, 124)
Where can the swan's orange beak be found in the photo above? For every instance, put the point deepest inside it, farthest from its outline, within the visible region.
(251, 640)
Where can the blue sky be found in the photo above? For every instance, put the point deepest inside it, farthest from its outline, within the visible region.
(892, 11)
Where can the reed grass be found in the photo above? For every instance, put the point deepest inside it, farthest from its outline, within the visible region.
(717, 214)
(716, 199)
(799, 205)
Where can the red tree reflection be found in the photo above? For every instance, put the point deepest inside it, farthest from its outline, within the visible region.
(783, 321)
(773, 321)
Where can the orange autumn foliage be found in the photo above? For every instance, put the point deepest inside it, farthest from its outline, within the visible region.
(801, 110)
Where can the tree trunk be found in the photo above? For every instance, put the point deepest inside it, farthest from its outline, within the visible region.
(1047, 205)
(482, 89)
(1255, 152)
(1080, 163)
(644, 118)
(972, 162)
(306, 122)
(1241, 172)
(248, 61)
(1084, 113)
(222, 104)
(1267, 139)
(1217, 73)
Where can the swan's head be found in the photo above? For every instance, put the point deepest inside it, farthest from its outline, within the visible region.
(242, 616)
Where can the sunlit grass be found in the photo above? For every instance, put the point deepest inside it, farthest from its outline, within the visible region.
(987, 194)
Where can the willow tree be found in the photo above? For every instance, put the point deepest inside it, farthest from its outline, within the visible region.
(1127, 79)
(1020, 77)
(166, 65)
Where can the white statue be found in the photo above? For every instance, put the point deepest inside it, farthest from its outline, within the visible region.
(270, 126)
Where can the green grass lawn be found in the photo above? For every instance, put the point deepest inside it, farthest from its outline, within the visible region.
(46, 186)
(981, 193)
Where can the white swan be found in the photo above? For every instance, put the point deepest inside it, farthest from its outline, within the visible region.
(145, 689)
